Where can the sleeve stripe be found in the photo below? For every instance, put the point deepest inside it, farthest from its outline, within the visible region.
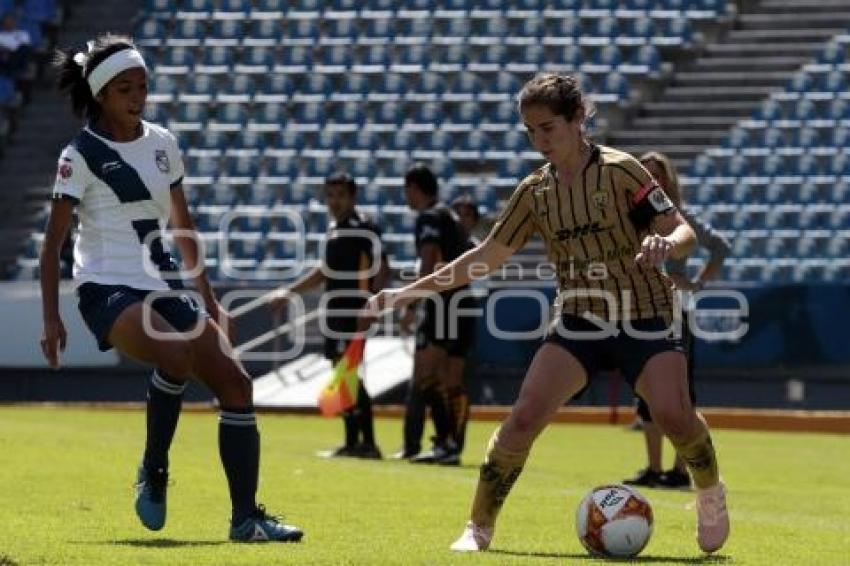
(629, 173)
(507, 215)
(177, 182)
(521, 225)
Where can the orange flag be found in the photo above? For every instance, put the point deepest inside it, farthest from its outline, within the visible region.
(340, 393)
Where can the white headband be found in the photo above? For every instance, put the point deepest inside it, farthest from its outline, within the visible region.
(107, 69)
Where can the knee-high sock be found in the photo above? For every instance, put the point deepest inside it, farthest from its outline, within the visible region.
(414, 419)
(165, 398)
(698, 453)
(239, 447)
(364, 415)
(499, 472)
(458, 403)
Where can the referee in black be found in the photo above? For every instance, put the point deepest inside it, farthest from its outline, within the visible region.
(440, 238)
(350, 253)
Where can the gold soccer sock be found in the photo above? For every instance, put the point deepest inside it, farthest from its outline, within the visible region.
(500, 470)
(699, 455)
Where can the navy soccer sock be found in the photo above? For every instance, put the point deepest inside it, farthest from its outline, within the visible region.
(239, 447)
(163, 410)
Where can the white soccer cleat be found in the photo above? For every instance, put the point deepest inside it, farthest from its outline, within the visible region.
(473, 539)
(712, 518)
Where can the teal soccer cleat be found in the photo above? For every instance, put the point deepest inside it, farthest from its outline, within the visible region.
(261, 527)
(150, 497)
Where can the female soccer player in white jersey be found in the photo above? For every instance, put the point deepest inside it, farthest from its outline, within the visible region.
(124, 176)
(606, 225)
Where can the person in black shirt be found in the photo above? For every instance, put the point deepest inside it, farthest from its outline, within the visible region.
(350, 253)
(440, 238)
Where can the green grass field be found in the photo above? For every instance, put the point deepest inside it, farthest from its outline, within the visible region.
(66, 496)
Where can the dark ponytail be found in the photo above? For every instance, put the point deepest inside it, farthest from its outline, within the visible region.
(72, 75)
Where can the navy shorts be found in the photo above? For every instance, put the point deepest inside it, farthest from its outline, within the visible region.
(624, 352)
(101, 305)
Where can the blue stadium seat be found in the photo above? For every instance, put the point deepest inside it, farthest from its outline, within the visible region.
(250, 140)
(328, 141)
(150, 32)
(833, 53)
(240, 169)
(231, 116)
(197, 112)
(199, 88)
(783, 243)
(349, 115)
(240, 88)
(233, 8)
(187, 33)
(196, 7)
(451, 30)
(216, 60)
(429, 85)
(429, 114)
(467, 113)
(378, 30)
(227, 32)
(389, 86)
(314, 87)
(834, 81)
(416, 56)
(354, 86)
(784, 216)
(269, 117)
(750, 243)
(489, 58)
(799, 82)
(416, 27)
(340, 32)
(289, 142)
(295, 59)
(818, 217)
(302, 32)
(281, 169)
(377, 56)
(213, 141)
(389, 114)
(258, 60)
(264, 33)
(337, 56)
(815, 244)
(366, 140)
(310, 113)
(464, 87)
(178, 60)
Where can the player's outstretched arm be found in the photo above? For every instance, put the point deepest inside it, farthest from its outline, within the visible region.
(53, 337)
(474, 264)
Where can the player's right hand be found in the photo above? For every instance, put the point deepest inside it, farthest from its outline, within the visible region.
(53, 341)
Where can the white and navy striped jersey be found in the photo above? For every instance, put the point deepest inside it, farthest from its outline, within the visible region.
(122, 191)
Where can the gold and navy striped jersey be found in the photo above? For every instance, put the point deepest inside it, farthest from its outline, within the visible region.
(592, 231)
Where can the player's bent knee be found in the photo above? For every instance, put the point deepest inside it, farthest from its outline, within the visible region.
(524, 422)
(236, 390)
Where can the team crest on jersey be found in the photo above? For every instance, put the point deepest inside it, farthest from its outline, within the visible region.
(65, 172)
(162, 162)
(599, 198)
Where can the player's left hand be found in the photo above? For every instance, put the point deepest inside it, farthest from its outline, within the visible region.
(654, 249)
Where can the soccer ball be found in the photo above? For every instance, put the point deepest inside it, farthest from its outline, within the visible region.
(614, 521)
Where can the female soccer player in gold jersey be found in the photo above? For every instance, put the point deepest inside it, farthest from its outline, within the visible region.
(607, 226)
